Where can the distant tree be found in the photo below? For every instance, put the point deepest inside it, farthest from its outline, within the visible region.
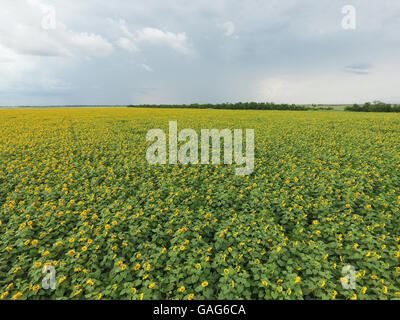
(375, 106)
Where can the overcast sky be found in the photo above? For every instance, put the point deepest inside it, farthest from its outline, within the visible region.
(205, 51)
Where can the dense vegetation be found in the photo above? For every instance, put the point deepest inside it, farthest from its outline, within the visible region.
(376, 106)
(236, 106)
(77, 193)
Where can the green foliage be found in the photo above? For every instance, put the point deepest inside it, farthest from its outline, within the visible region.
(77, 193)
(231, 106)
(376, 106)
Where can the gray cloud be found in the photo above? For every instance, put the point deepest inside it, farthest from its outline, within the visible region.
(198, 51)
(360, 69)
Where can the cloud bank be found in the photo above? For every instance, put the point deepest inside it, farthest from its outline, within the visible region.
(86, 52)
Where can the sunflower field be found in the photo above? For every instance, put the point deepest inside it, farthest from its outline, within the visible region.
(77, 194)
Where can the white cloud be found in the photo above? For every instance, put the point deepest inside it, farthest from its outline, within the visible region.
(153, 36)
(228, 27)
(177, 41)
(22, 31)
(146, 67)
(87, 44)
(127, 44)
(124, 28)
(31, 55)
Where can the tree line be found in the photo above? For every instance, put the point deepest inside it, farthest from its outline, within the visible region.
(376, 106)
(234, 106)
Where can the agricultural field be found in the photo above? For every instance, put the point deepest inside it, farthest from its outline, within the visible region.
(77, 194)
